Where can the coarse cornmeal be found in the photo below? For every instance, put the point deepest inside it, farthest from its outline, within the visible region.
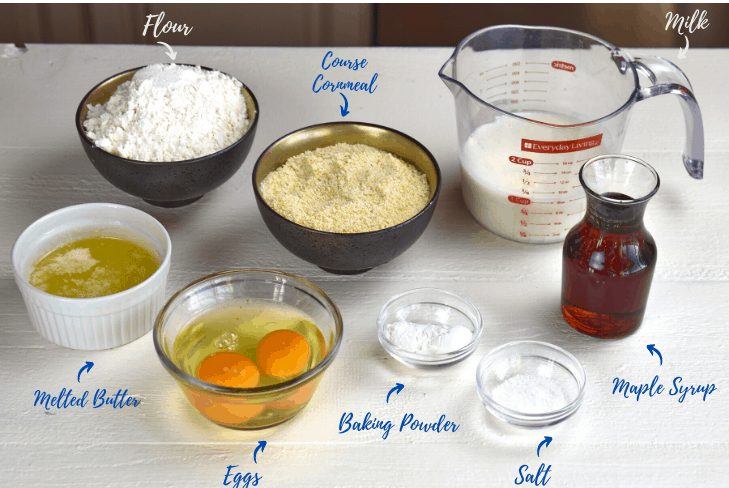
(346, 188)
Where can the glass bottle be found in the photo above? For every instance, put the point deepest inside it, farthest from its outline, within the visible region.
(608, 259)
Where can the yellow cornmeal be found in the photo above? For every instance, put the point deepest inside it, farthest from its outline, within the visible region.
(346, 188)
(93, 267)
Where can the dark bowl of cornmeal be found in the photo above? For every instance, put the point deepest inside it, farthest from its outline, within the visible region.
(337, 252)
(165, 184)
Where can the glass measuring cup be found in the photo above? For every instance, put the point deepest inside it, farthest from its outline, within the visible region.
(532, 105)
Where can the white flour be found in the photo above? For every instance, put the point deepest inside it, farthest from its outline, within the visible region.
(169, 112)
(428, 338)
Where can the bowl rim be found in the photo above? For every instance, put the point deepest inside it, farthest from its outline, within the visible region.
(251, 126)
(533, 418)
(199, 384)
(162, 269)
(426, 359)
(431, 201)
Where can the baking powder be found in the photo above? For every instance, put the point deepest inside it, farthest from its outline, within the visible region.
(427, 338)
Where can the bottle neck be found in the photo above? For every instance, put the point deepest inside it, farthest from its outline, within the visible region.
(615, 213)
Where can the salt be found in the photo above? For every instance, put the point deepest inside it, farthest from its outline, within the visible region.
(530, 393)
(427, 338)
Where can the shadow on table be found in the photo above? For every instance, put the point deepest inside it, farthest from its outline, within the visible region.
(458, 225)
(516, 440)
(63, 177)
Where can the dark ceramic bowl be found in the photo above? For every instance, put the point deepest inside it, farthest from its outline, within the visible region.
(165, 184)
(338, 252)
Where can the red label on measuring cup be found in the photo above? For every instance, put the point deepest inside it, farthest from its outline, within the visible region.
(524, 161)
(564, 66)
(555, 147)
(519, 200)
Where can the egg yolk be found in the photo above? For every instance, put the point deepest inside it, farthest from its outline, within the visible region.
(283, 353)
(301, 396)
(233, 412)
(224, 413)
(229, 369)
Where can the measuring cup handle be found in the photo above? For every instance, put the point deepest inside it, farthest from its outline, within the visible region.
(666, 77)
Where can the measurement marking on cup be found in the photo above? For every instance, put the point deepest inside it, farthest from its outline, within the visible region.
(580, 160)
(542, 213)
(534, 223)
(491, 69)
(497, 95)
(495, 86)
(545, 183)
(577, 186)
(543, 91)
(536, 81)
(494, 77)
(577, 199)
(539, 72)
(574, 213)
(534, 62)
(538, 173)
(532, 100)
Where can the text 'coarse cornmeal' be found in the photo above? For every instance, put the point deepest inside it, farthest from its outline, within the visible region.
(347, 189)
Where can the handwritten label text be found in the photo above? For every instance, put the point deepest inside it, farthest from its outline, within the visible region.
(654, 388)
(66, 398)
(168, 27)
(678, 21)
(408, 422)
(330, 61)
(248, 479)
(537, 479)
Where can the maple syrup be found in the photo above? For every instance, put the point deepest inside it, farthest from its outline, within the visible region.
(608, 263)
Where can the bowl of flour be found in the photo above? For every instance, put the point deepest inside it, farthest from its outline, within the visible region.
(168, 133)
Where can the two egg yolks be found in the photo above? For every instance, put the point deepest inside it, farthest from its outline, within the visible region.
(281, 354)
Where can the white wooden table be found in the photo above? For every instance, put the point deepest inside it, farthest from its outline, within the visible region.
(610, 442)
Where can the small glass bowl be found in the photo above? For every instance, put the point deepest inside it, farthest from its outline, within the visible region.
(430, 306)
(530, 383)
(262, 406)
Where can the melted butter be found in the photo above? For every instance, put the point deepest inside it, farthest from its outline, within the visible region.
(93, 267)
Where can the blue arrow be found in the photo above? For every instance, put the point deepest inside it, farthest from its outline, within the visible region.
(546, 440)
(261, 446)
(344, 109)
(651, 348)
(398, 388)
(87, 367)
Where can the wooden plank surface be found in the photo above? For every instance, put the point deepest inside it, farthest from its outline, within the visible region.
(610, 442)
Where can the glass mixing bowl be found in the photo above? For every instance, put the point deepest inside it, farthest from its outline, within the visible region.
(262, 406)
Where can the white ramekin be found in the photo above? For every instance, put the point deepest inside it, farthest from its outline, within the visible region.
(92, 323)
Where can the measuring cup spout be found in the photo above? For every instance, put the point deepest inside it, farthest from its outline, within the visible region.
(447, 74)
(666, 77)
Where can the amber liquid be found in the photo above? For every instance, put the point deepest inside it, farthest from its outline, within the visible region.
(606, 276)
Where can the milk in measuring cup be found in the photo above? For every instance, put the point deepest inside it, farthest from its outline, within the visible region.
(524, 185)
